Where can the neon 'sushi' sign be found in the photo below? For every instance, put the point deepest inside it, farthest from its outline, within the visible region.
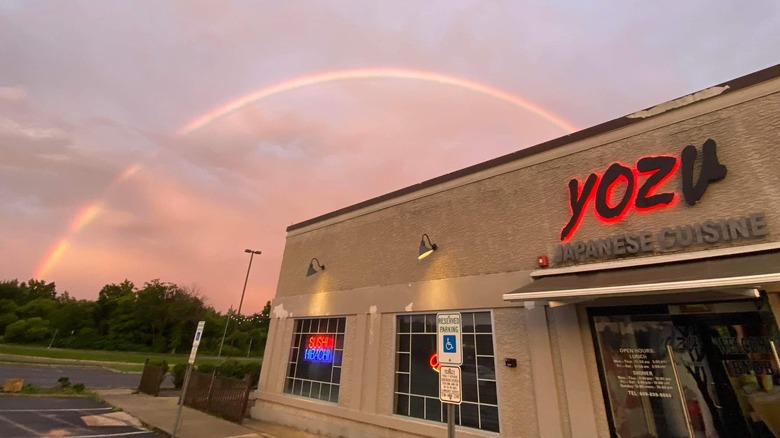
(643, 185)
(320, 349)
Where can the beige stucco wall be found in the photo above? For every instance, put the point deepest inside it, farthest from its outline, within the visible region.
(500, 224)
(490, 227)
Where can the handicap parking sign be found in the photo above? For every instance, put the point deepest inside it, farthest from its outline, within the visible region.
(450, 345)
(448, 332)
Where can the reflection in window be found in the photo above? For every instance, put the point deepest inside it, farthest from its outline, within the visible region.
(314, 369)
(417, 378)
(725, 374)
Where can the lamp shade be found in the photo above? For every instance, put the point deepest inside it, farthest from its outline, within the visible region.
(425, 249)
(311, 271)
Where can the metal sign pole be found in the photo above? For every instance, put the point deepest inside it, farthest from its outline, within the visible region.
(190, 362)
(450, 420)
(181, 400)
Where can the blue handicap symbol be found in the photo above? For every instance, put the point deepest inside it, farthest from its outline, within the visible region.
(449, 344)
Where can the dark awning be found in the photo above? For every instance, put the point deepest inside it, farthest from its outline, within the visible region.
(750, 271)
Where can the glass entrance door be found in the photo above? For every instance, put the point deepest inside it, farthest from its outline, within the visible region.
(702, 370)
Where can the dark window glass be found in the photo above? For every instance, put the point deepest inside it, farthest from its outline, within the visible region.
(336, 378)
(487, 392)
(430, 323)
(488, 416)
(404, 341)
(297, 387)
(469, 414)
(485, 345)
(433, 409)
(486, 368)
(402, 404)
(404, 324)
(417, 407)
(482, 322)
(334, 393)
(315, 358)
(403, 383)
(417, 376)
(467, 322)
(403, 362)
(418, 323)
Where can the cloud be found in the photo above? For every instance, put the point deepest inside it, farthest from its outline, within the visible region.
(13, 94)
(92, 88)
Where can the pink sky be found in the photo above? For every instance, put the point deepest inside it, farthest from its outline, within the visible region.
(89, 90)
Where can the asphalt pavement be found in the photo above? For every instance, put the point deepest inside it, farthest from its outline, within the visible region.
(73, 417)
(45, 376)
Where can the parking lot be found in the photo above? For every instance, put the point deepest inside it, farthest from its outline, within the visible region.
(72, 417)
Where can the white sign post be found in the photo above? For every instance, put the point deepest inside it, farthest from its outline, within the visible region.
(196, 341)
(449, 352)
(193, 353)
(448, 340)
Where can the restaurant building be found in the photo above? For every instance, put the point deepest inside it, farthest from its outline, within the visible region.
(623, 280)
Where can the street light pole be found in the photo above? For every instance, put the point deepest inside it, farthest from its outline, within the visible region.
(240, 303)
(251, 254)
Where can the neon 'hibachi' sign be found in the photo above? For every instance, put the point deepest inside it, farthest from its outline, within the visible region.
(319, 349)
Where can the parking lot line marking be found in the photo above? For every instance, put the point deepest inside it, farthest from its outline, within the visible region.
(55, 410)
(20, 426)
(137, 432)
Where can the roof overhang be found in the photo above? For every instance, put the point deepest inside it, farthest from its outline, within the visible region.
(741, 275)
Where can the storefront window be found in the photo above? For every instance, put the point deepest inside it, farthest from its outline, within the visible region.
(724, 382)
(417, 378)
(314, 369)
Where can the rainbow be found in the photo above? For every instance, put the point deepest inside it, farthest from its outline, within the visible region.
(89, 212)
(81, 219)
(371, 73)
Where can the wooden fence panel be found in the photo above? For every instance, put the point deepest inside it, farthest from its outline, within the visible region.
(152, 378)
(218, 395)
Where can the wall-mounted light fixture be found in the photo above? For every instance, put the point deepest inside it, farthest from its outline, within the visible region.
(426, 250)
(313, 271)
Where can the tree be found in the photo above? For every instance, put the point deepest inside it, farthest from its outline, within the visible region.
(28, 330)
(108, 302)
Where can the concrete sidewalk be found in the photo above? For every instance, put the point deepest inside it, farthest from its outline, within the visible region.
(160, 413)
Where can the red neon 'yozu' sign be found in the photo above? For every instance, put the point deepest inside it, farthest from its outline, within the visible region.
(642, 186)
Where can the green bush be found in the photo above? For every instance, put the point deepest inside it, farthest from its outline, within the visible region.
(64, 382)
(78, 388)
(231, 368)
(252, 369)
(206, 368)
(228, 351)
(179, 370)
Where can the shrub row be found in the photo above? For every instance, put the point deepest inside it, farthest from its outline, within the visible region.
(229, 368)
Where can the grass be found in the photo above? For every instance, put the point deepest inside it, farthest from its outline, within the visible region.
(126, 361)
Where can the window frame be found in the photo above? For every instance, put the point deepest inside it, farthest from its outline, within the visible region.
(442, 416)
(301, 330)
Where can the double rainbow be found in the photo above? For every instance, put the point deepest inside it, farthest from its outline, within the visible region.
(89, 212)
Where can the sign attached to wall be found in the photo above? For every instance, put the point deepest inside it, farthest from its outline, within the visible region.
(319, 349)
(708, 232)
(643, 186)
(643, 190)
